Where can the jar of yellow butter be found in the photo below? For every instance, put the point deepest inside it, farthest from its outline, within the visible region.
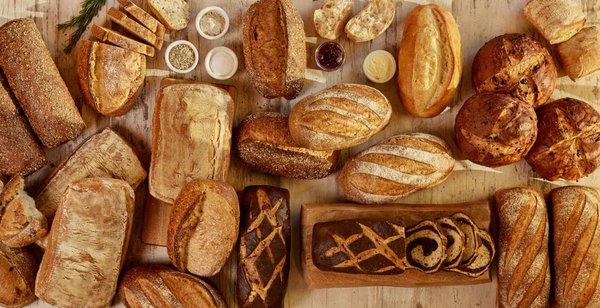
(379, 66)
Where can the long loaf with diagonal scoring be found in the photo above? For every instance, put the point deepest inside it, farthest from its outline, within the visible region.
(576, 246)
(523, 267)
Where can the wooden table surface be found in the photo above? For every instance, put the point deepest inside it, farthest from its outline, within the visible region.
(479, 20)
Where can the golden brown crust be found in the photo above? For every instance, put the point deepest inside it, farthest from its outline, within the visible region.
(518, 65)
(115, 38)
(143, 17)
(495, 129)
(371, 21)
(568, 145)
(17, 276)
(556, 20)
(134, 27)
(580, 56)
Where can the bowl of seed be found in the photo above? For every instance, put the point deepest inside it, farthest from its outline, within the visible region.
(181, 56)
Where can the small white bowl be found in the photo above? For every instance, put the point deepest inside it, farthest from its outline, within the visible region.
(180, 42)
(226, 51)
(391, 60)
(221, 12)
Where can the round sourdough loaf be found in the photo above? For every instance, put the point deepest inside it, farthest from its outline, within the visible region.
(568, 145)
(495, 129)
(395, 168)
(339, 117)
(518, 65)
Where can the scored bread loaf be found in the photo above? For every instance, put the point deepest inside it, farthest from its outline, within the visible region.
(265, 244)
(556, 20)
(115, 38)
(17, 276)
(143, 17)
(174, 14)
(263, 141)
(161, 286)
(332, 17)
(580, 56)
(576, 246)
(339, 117)
(395, 168)
(371, 21)
(425, 247)
(134, 27)
(203, 227)
(523, 265)
(87, 244)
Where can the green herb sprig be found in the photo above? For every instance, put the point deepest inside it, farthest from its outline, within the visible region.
(89, 10)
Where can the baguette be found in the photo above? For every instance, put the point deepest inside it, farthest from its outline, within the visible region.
(112, 37)
(17, 276)
(556, 20)
(523, 266)
(174, 14)
(87, 244)
(135, 28)
(332, 17)
(37, 83)
(371, 21)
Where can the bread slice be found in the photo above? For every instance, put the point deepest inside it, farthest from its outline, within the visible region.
(135, 28)
(112, 37)
(143, 17)
(174, 14)
(331, 18)
(371, 21)
(110, 77)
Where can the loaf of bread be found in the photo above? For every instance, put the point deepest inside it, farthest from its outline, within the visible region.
(568, 145)
(115, 38)
(174, 14)
(265, 244)
(135, 28)
(20, 152)
(263, 142)
(191, 137)
(339, 117)
(495, 129)
(203, 227)
(17, 276)
(105, 154)
(111, 78)
(21, 223)
(371, 21)
(332, 17)
(515, 64)
(425, 247)
(580, 56)
(143, 17)
(395, 168)
(162, 286)
(430, 56)
(87, 244)
(523, 266)
(576, 246)
(37, 84)
(556, 20)
(275, 48)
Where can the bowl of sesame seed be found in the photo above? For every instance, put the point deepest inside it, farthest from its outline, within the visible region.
(181, 56)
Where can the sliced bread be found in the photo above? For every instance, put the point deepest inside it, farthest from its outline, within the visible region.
(112, 37)
(135, 28)
(331, 18)
(371, 21)
(143, 17)
(174, 14)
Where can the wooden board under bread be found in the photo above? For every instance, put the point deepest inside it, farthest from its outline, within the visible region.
(409, 215)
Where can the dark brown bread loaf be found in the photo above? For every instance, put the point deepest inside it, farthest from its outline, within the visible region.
(523, 266)
(17, 276)
(359, 247)
(568, 145)
(265, 244)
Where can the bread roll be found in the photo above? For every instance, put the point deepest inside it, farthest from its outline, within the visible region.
(395, 168)
(580, 56)
(17, 276)
(275, 48)
(161, 286)
(515, 64)
(576, 246)
(174, 14)
(556, 20)
(495, 129)
(339, 117)
(264, 142)
(425, 247)
(37, 84)
(331, 18)
(265, 244)
(87, 244)
(430, 56)
(371, 21)
(203, 227)
(523, 266)
(568, 145)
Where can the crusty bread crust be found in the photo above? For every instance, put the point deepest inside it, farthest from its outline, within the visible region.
(115, 38)
(17, 275)
(371, 21)
(332, 17)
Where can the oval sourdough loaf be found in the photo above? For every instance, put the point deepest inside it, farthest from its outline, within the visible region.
(395, 168)
(331, 18)
(430, 56)
(371, 21)
(339, 117)
(17, 276)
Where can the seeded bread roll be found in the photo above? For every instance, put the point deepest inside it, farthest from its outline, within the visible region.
(331, 18)
(425, 247)
(174, 14)
(371, 21)
(556, 20)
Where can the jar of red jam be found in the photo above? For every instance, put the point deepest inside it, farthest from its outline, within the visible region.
(330, 56)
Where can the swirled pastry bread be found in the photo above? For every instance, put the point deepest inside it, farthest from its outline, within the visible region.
(455, 242)
(425, 247)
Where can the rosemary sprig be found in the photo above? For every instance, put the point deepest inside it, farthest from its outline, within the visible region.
(89, 10)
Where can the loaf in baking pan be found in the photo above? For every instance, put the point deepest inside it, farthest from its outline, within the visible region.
(495, 129)
(556, 20)
(580, 56)
(143, 17)
(115, 38)
(455, 242)
(111, 78)
(371, 21)
(265, 245)
(105, 154)
(576, 246)
(37, 84)
(395, 168)
(425, 247)
(339, 117)
(523, 265)
(191, 137)
(161, 286)
(515, 64)
(87, 244)
(203, 227)
(332, 17)
(568, 143)
(174, 14)
(135, 28)
(430, 56)
(17, 276)
(275, 48)
(264, 143)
